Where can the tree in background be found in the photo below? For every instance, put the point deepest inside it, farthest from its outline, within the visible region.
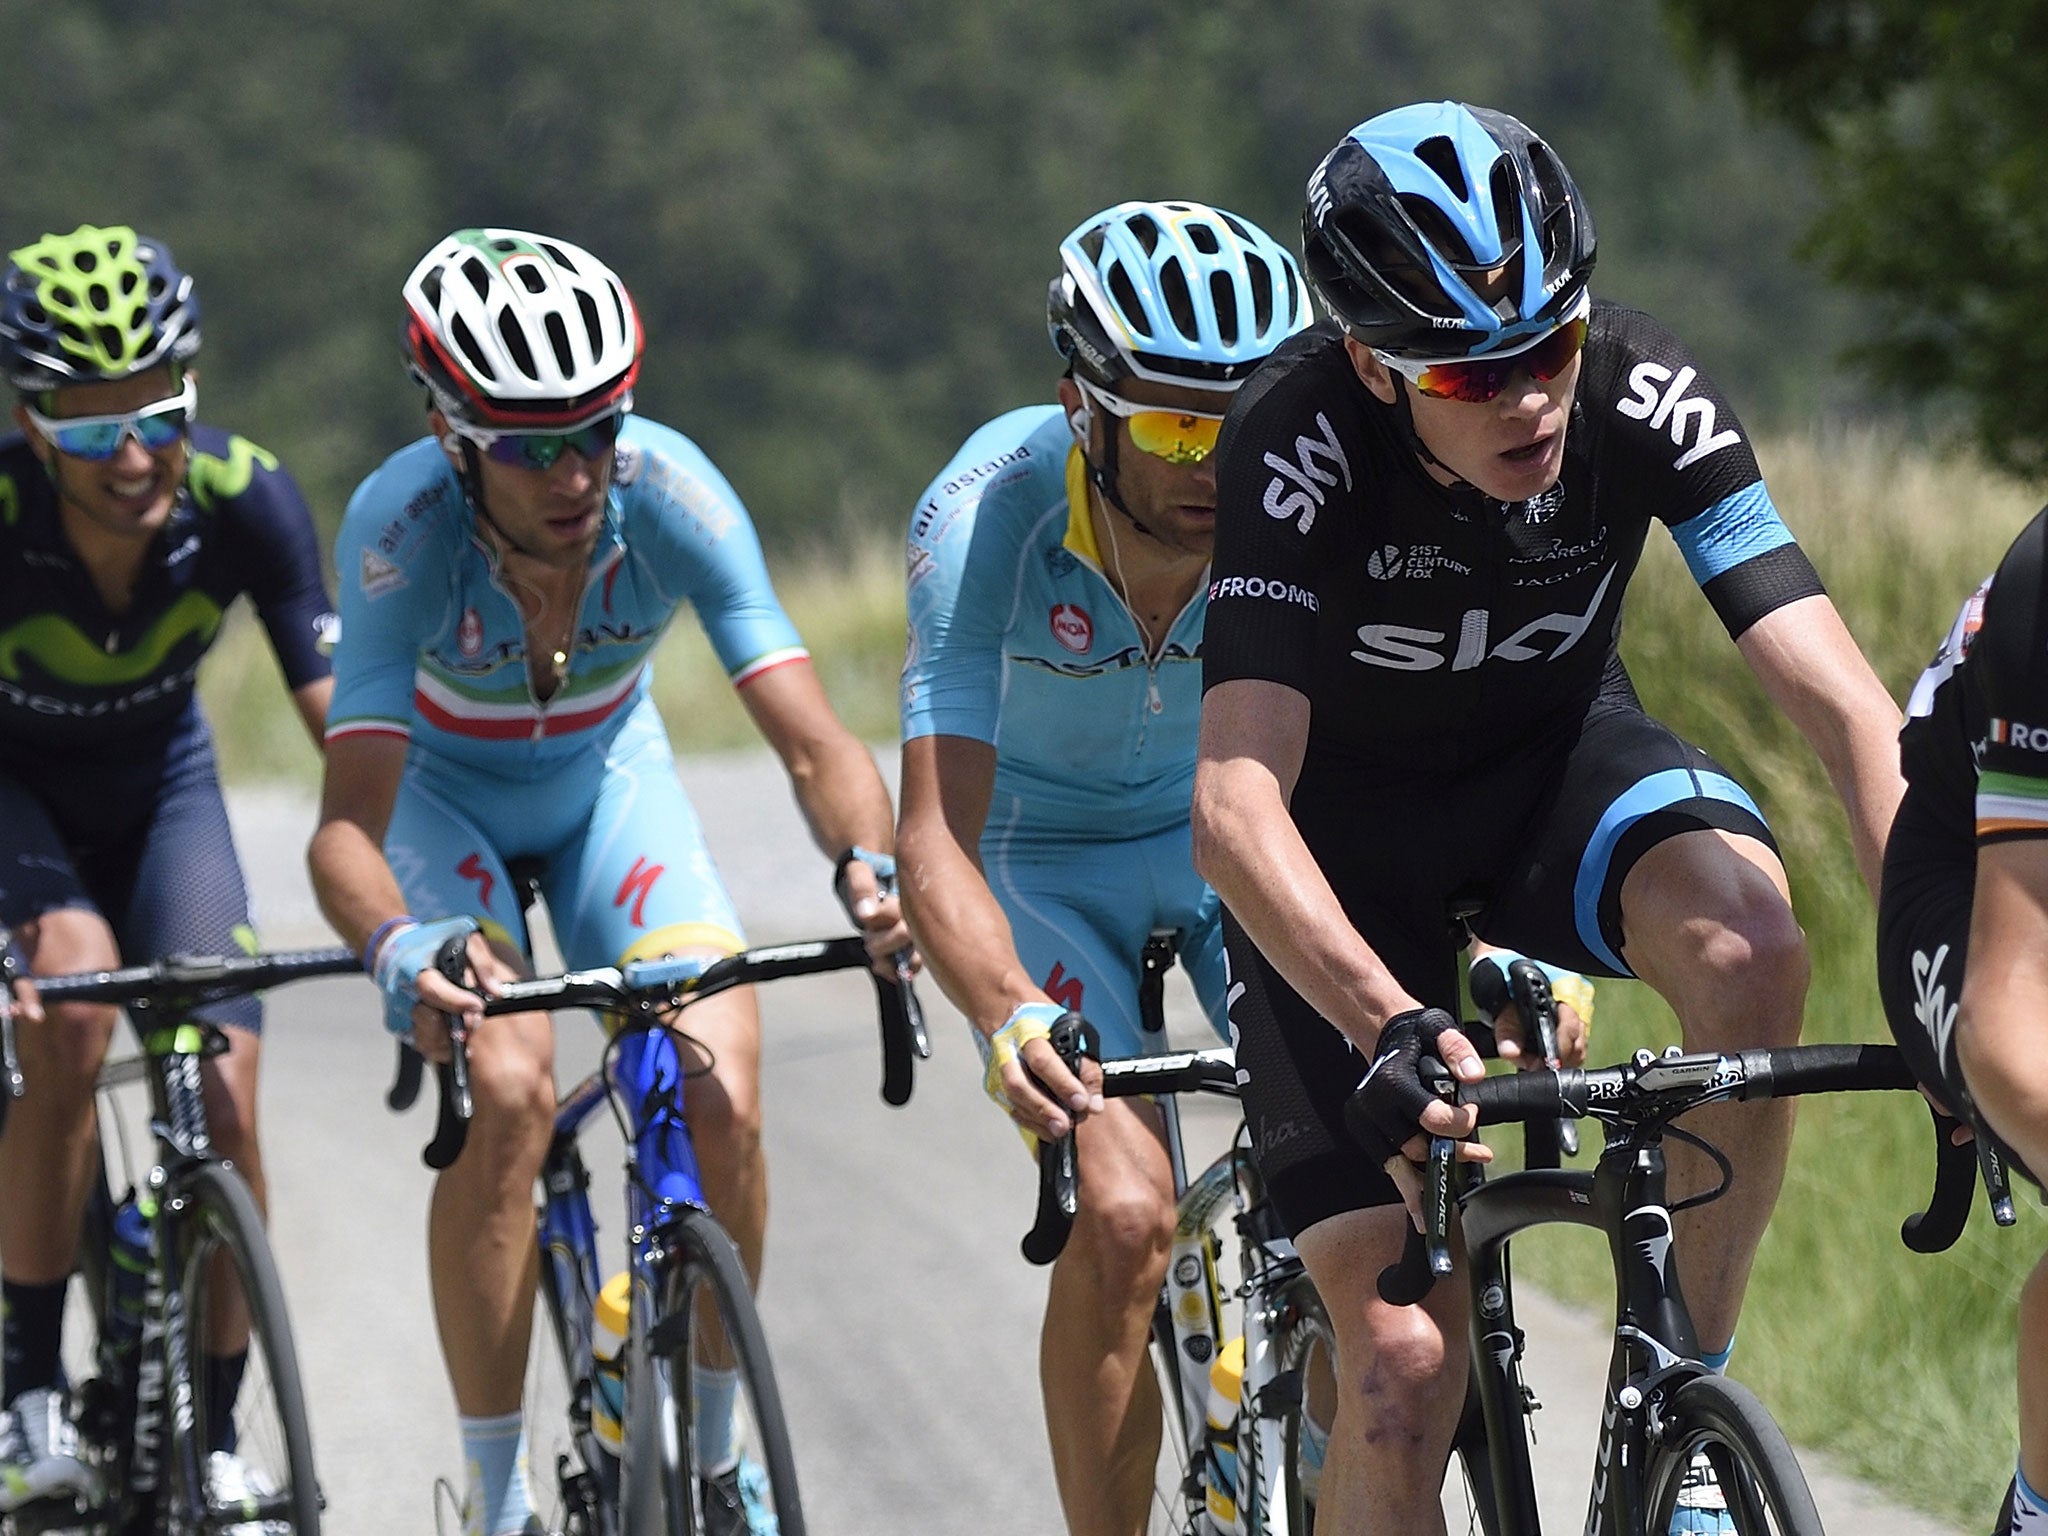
(1927, 116)
(839, 216)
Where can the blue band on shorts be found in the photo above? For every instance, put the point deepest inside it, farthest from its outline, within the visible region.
(1657, 792)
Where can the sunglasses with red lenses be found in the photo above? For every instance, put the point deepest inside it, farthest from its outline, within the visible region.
(1476, 380)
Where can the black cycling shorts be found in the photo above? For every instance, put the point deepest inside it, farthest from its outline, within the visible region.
(1534, 846)
(143, 841)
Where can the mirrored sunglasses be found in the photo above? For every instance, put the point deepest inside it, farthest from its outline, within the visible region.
(99, 438)
(1179, 437)
(1479, 379)
(592, 441)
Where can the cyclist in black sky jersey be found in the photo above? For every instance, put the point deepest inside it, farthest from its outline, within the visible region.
(1963, 928)
(126, 529)
(1427, 513)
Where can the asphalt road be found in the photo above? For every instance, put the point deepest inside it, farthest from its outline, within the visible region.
(903, 1321)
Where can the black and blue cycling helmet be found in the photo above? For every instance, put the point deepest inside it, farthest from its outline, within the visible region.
(1444, 231)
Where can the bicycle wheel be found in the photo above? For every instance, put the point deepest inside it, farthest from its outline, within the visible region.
(1177, 1481)
(689, 1468)
(246, 1462)
(1760, 1481)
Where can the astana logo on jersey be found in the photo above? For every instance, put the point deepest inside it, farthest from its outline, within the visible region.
(1405, 648)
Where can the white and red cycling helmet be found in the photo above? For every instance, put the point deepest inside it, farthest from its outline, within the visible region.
(520, 332)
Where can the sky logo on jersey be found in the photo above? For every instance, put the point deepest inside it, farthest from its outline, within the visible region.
(2011, 733)
(1309, 476)
(1403, 648)
(1690, 423)
(1072, 627)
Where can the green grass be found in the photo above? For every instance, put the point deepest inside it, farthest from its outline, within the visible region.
(1899, 1364)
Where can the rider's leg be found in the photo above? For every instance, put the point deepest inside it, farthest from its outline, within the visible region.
(1102, 1408)
(1708, 923)
(47, 1151)
(1401, 1375)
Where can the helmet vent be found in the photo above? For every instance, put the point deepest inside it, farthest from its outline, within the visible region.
(98, 297)
(504, 246)
(479, 277)
(1125, 295)
(1237, 227)
(129, 280)
(1438, 232)
(1147, 232)
(1180, 303)
(561, 257)
(1261, 276)
(85, 261)
(1441, 156)
(530, 277)
(587, 307)
(558, 338)
(1203, 239)
(515, 342)
(111, 339)
(1223, 297)
(473, 356)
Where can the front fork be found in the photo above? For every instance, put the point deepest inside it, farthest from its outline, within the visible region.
(569, 1275)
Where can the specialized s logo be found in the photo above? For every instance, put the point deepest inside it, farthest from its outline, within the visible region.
(1690, 423)
(1296, 489)
(1407, 649)
(1072, 627)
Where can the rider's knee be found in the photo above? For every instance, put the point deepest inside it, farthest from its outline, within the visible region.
(1403, 1378)
(1128, 1227)
(70, 1046)
(510, 1080)
(1759, 952)
(2008, 1077)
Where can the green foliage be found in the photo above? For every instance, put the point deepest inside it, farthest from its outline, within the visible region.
(838, 219)
(1927, 119)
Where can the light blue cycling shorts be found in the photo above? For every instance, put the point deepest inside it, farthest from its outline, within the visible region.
(624, 869)
(1080, 913)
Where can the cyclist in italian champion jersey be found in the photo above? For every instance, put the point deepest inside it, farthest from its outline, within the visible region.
(1961, 928)
(503, 583)
(1058, 572)
(126, 531)
(1427, 514)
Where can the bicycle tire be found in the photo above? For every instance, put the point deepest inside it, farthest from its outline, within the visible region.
(273, 1439)
(668, 1494)
(1766, 1493)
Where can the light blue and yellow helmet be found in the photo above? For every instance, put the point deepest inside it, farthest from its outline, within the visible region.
(1172, 293)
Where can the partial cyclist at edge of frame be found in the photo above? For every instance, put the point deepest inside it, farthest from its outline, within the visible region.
(131, 527)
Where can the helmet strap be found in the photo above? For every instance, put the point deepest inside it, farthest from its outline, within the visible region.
(1103, 477)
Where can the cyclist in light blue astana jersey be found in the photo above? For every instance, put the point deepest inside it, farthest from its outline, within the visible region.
(1058, 572)
(503, 583)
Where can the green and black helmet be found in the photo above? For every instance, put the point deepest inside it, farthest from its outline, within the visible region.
(93, 305)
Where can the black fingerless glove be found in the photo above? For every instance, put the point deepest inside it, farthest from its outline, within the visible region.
(1386, 1107)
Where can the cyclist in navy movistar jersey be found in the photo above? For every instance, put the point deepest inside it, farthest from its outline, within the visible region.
(126, 529)
(1963, 925)
(503, 583)
(1058, 574)
(1426, 516)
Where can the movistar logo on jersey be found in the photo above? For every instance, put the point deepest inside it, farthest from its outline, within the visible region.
(1659, 398)
(62, 651)
(1315, 469)
(1404, 648)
